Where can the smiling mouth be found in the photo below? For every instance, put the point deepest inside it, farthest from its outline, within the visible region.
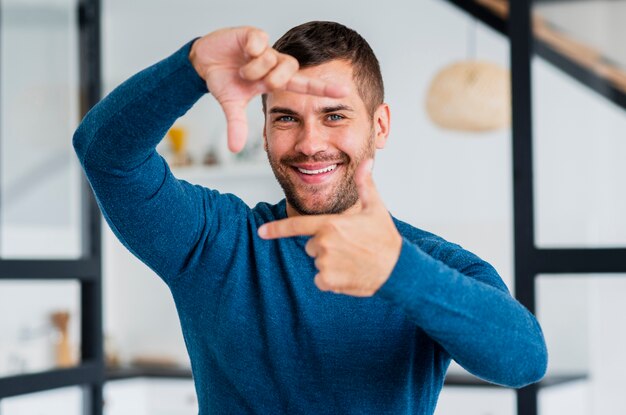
(317, 174)
(318, 171)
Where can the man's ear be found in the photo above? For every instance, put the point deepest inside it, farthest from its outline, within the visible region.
(382, 120)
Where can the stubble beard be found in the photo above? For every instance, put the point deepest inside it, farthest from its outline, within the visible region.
(314, 200)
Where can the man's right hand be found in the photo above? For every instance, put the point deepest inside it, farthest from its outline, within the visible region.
(238, 64)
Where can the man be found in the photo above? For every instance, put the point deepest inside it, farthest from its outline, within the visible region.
(322, 303)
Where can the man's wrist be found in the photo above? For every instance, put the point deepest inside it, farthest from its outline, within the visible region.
(193, 58)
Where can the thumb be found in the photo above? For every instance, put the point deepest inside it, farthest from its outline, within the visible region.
(236, 124)
(368, 194)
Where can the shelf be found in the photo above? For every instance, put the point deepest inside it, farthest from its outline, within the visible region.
(469, 380)
(86, 373)
(18, 269)
(452, 379)
(128, 372)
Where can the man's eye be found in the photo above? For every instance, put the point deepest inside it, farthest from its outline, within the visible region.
(335, 117)
(285, 118)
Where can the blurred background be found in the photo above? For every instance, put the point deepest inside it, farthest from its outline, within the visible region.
(70, 292)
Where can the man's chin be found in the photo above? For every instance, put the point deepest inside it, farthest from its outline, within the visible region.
(320, 206)
(304, 208)
(331, 198)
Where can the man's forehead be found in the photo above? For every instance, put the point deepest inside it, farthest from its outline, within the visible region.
(333, 68)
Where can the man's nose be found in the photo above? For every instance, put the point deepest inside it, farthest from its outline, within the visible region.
(311, 140)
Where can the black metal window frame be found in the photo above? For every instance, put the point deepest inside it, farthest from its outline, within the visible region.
(582, 74)
(529, 260)
(87, 271)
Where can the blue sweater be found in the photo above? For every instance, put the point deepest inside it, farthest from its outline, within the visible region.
(261, 337)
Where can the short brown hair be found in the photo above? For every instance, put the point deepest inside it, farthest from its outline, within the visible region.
(318, 42)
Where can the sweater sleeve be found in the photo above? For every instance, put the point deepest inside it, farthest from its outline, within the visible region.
(157, 217)
(461, 302)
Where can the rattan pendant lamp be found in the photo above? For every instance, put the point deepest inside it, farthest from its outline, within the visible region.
(470, 95)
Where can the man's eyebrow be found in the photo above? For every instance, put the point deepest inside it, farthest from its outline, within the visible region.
(323, 110)
(336, 108)
(281, 110)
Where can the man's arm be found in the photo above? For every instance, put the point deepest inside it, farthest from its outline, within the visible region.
(459, 300)
(158, 218)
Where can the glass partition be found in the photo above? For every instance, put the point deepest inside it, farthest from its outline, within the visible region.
(579, 119)
(64, 401)
(582, 319)
(40, 198)
(41, 331)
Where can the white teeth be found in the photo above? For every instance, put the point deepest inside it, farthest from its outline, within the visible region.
(324, 170)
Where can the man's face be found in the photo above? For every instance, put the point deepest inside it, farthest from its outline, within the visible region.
(314, 144)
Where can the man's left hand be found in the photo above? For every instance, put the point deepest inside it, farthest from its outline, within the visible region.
(354, 253)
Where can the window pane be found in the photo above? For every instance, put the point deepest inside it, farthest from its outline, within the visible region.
(39, 174)
(579, 144)
(40, 325)
(582, 319)
(64, 401)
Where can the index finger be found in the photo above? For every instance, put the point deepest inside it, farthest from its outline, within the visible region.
(296, 226)
(305, 85)
(256, 41)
